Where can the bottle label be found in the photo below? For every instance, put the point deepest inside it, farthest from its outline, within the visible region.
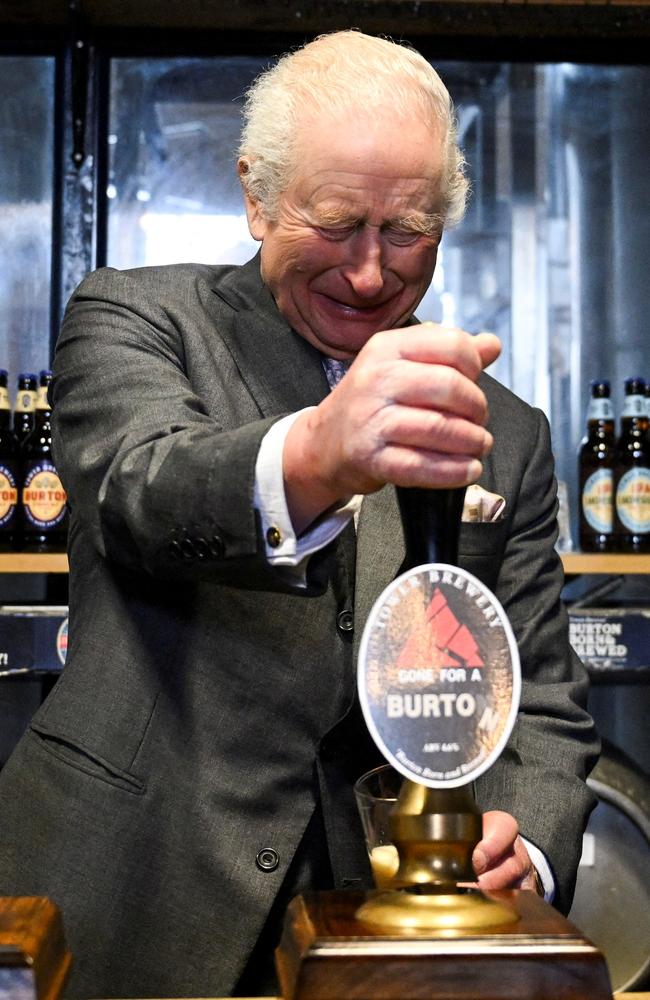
(62, 642)
(25, 401)
(42, 402)
(600, 409)
(597, 501)
(633, 406)
(44, 498)
(8, 495)
(633, 500)
(4, 398)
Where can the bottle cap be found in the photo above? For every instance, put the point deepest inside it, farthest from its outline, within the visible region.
(634, 386)
(600, 388)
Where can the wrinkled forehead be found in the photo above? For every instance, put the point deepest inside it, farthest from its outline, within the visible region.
(361, 130)
(341, 159)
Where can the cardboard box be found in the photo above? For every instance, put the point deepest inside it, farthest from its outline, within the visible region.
(612, 640)
(33, 639)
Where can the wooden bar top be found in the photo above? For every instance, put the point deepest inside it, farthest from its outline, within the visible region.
(617, 996)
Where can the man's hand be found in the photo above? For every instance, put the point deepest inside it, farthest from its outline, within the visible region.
(408, 412)
(500, 859)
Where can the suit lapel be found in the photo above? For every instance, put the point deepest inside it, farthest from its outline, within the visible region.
(282, 371)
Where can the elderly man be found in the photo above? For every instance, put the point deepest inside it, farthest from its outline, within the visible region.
(192, 769)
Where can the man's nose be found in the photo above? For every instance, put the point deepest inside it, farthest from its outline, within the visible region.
(364, 268)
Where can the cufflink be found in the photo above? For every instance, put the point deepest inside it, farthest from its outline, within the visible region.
(273, 537)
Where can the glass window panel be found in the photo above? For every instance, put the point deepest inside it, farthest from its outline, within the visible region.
(173, 193)
(26, 179)
(554, 252)
(552, 255)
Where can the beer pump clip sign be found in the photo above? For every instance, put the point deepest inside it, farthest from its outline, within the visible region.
(439, 676)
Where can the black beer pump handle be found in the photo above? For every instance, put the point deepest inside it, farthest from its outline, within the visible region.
(431, 525)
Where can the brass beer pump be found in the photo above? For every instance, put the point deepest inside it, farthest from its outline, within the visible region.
(434, 830)
(429, 936)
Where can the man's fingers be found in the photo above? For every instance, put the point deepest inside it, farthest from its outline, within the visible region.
(434, 431)
(514, 871)
(489, 347)
(500, 831)
(500, 859)
(438, 387)
(412, 467)
(432, 343)
(408, 412)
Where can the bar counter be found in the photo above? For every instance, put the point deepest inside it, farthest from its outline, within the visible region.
(617, 996)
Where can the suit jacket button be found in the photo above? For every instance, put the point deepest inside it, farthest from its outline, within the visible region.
(273, 537)
(345, 622)
(187, 548)
(267, 859)
(202, 548)
(217, 547)
(175, 550)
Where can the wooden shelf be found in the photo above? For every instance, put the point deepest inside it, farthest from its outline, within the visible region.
(573, 562)
(33, 562)
(605, 563)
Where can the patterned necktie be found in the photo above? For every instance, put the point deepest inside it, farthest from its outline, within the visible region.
(335, 370)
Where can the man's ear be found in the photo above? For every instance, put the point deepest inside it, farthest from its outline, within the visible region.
(257, 222)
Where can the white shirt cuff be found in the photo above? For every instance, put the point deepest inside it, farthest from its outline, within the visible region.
(283, 548)
(543, 869)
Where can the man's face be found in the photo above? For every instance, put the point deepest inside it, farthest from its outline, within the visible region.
(348, 256)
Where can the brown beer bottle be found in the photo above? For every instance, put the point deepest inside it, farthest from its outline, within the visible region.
(8, 471)
(44, 510)
(25, 406)
(596, 472)
(632, 472)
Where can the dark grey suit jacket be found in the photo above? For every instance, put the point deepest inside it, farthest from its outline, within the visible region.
(202, 694)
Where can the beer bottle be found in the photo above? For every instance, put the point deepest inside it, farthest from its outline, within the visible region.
(8, 470)
(632, 472)
(25, 406)
(596, 472)
(45, 514)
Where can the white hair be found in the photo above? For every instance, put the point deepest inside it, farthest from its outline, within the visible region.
(339, 72)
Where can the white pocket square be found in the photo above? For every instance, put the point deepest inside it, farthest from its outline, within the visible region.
(481, 505)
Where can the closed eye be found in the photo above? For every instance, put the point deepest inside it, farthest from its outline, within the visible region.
(401, 237)
(336, 233)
